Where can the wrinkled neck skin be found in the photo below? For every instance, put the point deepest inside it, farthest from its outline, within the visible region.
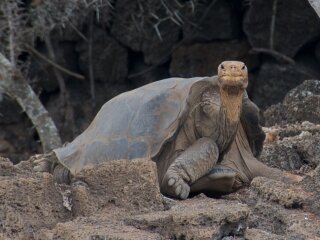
(231, 104)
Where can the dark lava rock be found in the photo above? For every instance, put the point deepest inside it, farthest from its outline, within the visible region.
(311, 183)
(274, 80)
(109, 58)
(203, 59)
(146, 26)
(300, 104)
(42, 74)
(212, 20)
(276, 25)
(278, 192)
(281, 155)
(10, 111)
(317, 52)
(295, 147)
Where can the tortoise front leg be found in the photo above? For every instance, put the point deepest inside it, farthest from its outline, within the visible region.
(189, 166)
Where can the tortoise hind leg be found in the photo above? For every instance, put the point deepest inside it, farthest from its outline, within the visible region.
(61, 174)
(241, 158)
(220, 179)
(50, 163)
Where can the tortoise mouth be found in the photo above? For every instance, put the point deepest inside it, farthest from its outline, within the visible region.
(233, 84)
(232, 90)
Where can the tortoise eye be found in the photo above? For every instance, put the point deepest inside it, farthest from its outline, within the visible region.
(243, 67)
(222, 67)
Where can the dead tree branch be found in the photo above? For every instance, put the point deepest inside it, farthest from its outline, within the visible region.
(275, 54)
(273, 24)
(53, 64)
(91, 73)
(12, 83)
(61, 82)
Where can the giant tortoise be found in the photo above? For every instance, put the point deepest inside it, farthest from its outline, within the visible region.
(203, 133)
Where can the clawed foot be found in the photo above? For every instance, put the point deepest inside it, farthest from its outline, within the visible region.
(174, 186)
(43, 162)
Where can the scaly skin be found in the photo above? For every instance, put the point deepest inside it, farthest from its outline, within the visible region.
(189, 166)
(198, 159)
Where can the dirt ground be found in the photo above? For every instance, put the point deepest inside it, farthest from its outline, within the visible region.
(121, 200)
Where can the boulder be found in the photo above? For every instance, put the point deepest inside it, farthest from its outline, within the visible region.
(198, 218)
(282, 155)
(191, 219)
(146, 26)
(276, 25)
(141, 73)
(284, 223)
(128, 184)
(294, 147)
(27, 203)
(10, 111)
(300, 104)
(101, 226)
(317, 51)
(213, 20)
(42, 74)
(311, 183)
(13, 140)
(278, 192)
(274, 80)
(316, 6)
(203, 59)
(109, 58)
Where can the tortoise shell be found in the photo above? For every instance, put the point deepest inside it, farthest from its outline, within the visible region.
(136, 124)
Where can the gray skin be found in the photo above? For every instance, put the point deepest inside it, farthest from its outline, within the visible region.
(203, 133)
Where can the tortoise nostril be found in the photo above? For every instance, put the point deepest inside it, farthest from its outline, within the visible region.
(233, 67)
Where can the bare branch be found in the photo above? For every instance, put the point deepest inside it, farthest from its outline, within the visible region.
(91, 73)
(58, 75)
(57, 66)
(11, 36)
(78, 31)
(273, 23)
(15, 86)
(274, 54)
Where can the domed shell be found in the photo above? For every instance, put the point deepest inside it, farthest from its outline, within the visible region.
(136, 124)
(133, 125)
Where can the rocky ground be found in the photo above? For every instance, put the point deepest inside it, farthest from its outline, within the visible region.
(121, 199)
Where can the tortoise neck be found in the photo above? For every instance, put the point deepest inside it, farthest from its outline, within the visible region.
(231, 104)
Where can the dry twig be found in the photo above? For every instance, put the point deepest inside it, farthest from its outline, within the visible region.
(57, 66)
(274, 54)
(91, 73)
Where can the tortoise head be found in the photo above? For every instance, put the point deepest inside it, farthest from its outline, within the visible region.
(232, 76)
